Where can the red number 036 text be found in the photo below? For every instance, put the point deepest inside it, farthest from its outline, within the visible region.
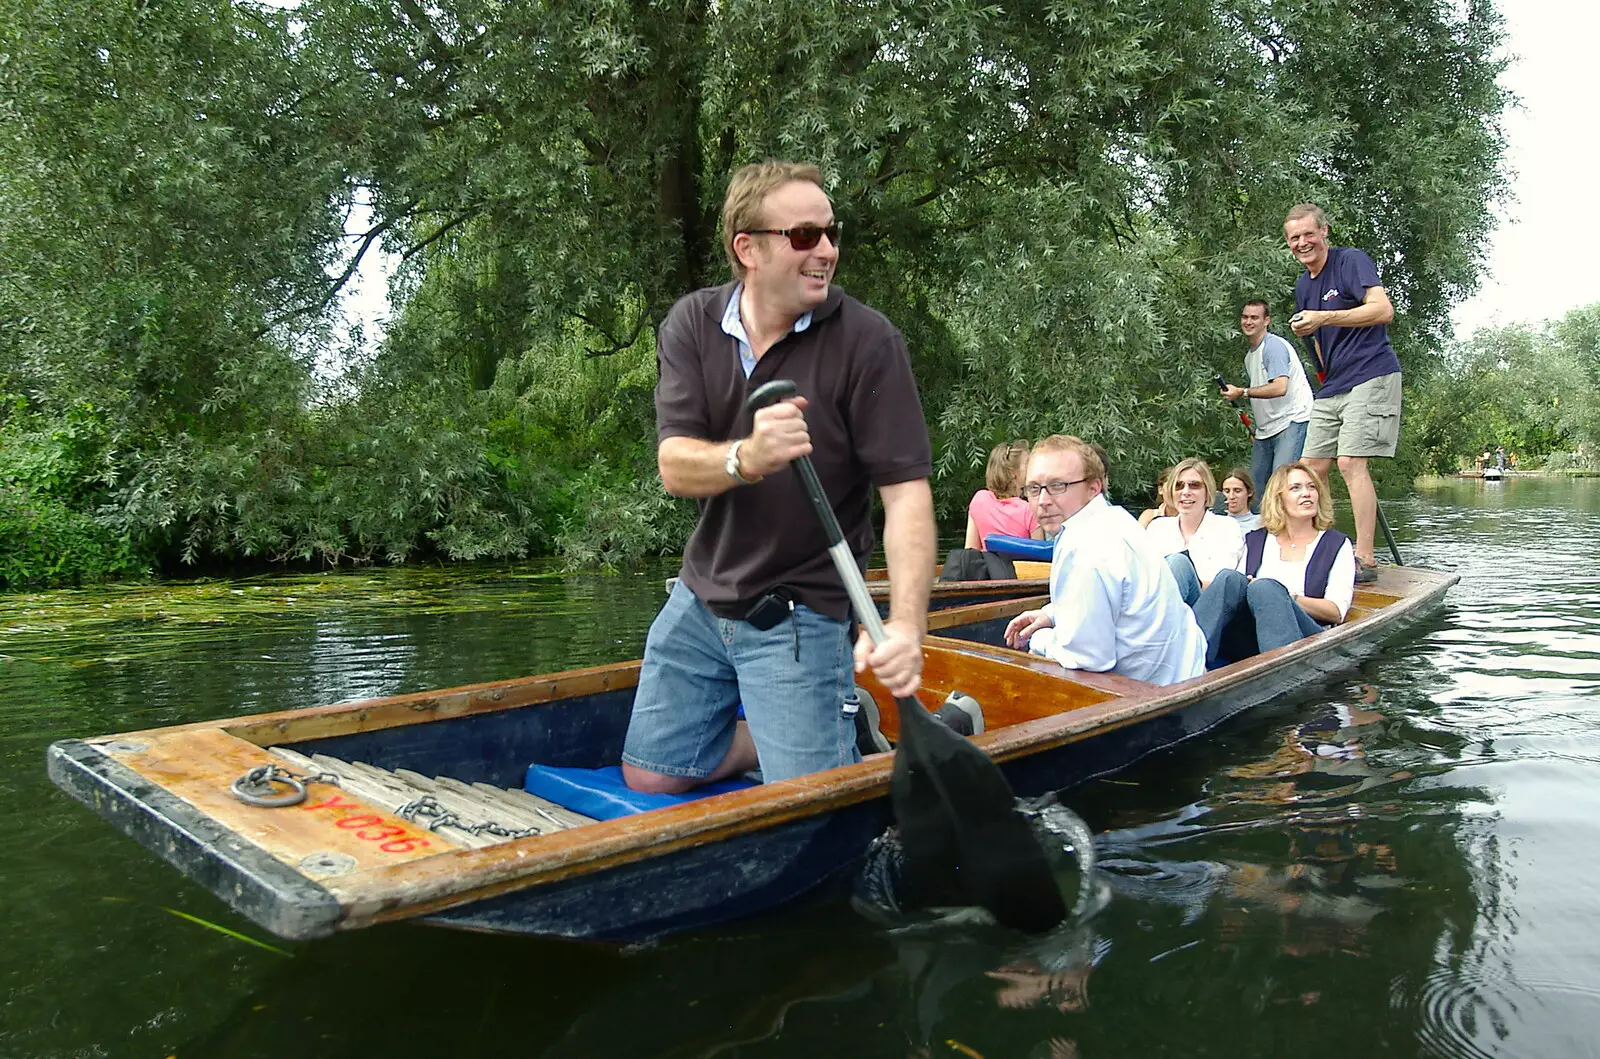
(390, 839)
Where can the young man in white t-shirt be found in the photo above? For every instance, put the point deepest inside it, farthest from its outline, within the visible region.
(1280, 395)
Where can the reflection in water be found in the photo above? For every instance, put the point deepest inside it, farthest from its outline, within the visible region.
(1325, 887)
(469, 995)
(1029, 983)
(1399, 864)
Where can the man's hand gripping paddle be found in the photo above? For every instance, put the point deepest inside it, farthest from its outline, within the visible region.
(1222, 384)
(963, 839)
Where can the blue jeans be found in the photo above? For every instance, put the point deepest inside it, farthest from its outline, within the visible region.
(1182, 568)
(1268, 454)
(1240, 617)
(1279, 619)
(699, 667)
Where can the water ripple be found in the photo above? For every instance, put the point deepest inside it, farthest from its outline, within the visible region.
(1464, 1011)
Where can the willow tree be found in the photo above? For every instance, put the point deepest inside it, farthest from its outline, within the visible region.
(1061, 204)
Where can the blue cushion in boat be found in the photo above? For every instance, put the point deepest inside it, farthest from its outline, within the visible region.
(601, 794)
(1020, 547)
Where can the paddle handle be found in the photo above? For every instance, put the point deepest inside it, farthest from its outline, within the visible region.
(1222, 385)
(855, 585)
(1388, 534)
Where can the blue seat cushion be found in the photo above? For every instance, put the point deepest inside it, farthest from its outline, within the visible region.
(1020, 547)
(601, 795)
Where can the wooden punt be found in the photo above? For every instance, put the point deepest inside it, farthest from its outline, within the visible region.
(1032, 579)
(362, 853)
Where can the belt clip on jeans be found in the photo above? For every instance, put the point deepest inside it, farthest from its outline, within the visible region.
(772, 608)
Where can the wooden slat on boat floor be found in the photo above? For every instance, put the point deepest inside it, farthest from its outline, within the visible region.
(477, 806)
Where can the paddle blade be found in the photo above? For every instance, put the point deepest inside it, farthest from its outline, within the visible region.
(963, 839)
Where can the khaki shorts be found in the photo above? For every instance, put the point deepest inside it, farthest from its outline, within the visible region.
(1363, 422)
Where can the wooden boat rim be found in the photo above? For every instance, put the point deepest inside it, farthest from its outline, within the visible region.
(444, 879)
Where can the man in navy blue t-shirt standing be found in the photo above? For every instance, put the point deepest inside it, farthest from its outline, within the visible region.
(1342, 314)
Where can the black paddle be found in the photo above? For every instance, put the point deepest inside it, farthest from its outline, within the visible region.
(963, 839)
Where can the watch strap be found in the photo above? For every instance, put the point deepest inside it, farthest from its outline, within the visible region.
(731, 465)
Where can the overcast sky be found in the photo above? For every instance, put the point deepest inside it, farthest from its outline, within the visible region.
(1538, 256)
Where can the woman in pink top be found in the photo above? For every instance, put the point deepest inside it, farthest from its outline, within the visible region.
(998, 509)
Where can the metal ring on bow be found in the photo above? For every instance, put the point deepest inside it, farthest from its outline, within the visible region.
(255, 787)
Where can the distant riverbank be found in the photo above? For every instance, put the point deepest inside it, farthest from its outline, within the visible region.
(1423, 480)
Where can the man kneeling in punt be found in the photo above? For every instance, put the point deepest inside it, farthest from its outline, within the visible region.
(1297, 576)
(759, 615)
(1114, 604)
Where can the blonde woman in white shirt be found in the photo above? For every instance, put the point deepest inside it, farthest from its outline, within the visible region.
(1197, 542)
(1297, 576)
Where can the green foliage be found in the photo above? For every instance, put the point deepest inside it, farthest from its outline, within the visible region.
(381, 478)
(166, 204)
(43, 542)
(1062, 206)
(1536, 391)
(1584, 458)
(45, 537)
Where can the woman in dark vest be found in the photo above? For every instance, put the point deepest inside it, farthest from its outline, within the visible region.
(1297, 577)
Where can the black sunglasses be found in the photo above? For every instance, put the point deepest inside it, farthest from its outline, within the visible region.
(803, 236)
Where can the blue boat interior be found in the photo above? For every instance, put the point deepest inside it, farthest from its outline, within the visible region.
(581, 732)
(1020, 547)
(601, 793)
(567, 750)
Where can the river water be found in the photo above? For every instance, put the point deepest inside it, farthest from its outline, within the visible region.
(1399, 864)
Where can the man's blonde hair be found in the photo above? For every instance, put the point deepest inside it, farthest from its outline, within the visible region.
(1274, 512)
(747, 195)
(1008, 463)
(1093, 469)
(1307, 209)
(1169, 491)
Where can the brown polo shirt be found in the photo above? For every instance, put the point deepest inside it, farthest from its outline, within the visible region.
(866, 427)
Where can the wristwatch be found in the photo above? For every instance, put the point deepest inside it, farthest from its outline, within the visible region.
(731, 464)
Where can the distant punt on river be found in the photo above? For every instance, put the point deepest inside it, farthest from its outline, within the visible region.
(495, 807)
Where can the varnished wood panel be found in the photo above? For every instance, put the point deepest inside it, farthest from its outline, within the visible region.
(979, 612)
(199, 766)
(405, 891)
(1009, 687)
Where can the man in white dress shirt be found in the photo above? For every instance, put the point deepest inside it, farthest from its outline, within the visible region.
(1114, 605)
